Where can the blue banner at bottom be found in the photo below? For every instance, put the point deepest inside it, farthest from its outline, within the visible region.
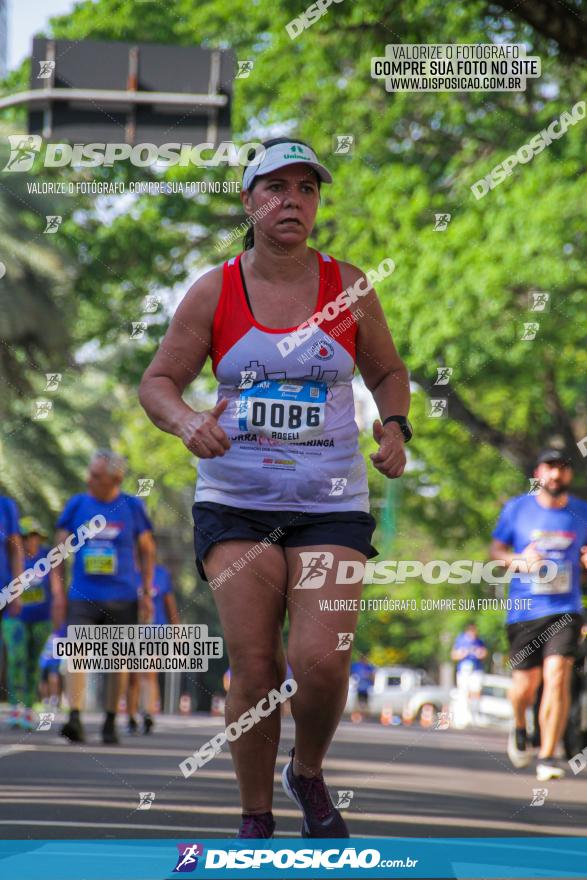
(490, 858)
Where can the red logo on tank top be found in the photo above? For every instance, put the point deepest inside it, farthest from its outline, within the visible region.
(323, 349)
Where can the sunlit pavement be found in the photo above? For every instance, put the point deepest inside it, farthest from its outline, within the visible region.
(405, 782)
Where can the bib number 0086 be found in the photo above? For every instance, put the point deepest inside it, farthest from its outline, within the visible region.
(291, 417)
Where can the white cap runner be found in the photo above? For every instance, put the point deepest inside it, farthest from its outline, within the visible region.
(280, 155)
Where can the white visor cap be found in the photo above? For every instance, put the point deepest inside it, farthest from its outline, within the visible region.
(281, 155)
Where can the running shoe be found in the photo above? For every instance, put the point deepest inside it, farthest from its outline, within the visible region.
(109, 734)
(148, 724)
(73, 729)
(548, 768)
(517, 752)
(259, 826)
(321, 818)
(16, 720)
(27, 721)
(132, 726)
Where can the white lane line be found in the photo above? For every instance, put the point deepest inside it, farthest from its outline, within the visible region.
(6, 751)
(201, 829)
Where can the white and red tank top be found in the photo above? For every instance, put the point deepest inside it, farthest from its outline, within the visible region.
(290, 419)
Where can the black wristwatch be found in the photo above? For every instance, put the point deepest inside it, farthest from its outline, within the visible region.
(404, 424)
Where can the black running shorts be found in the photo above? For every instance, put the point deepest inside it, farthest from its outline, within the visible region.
(220, 522)
(83, 612)
(533, 640)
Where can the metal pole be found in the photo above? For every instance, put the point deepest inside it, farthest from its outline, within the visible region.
(172, 692)
(132, 85)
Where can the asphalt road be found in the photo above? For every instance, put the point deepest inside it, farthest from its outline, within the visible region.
(406, 782)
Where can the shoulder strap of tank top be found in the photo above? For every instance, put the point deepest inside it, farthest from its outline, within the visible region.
(332, 277)
(230, 320)
(341, 326)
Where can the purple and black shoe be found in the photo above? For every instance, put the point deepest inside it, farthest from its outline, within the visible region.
(321, 818)
(257, 826)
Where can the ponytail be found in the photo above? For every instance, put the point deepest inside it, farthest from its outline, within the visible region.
(249, 236)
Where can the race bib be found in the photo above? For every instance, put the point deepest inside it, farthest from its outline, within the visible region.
(288, 411)
(561, 582)
(100, 560)
(33, 596)
(553, 545)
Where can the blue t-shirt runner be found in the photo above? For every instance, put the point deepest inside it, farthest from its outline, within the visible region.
(469, 642)
(363, 672)
(9, 517)
(558, 534)
(36, 599)
(104, 568)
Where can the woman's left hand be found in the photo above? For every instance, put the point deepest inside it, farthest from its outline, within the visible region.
(390, 460)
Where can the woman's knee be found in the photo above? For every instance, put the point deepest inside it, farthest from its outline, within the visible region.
(254, 675)
(325, 673)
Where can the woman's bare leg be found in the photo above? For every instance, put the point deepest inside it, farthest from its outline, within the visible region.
(319, 667)
(251, 605)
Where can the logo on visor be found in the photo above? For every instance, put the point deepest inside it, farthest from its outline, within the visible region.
(296, 152)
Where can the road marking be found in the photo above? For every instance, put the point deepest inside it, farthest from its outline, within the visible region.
(5, 751)
(189, 829)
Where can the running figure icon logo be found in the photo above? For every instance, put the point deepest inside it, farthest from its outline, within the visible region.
(151, 304)
(539, 795)
(144, 486)
(338, 484)
(53, 380)
(46, 68)
(146, 798)
(343, 143)
(45, 720)
(188, 857)
(23, 150)
(138, 329)
(444, 374)
(441, 222)
(345, 641)
(539, 302)
(247, 379)
(314, 570)
(244, 69)
(438, 408)
(530, 330)
(53, 223)
(42, 409)
(344, 799)
(442, 721)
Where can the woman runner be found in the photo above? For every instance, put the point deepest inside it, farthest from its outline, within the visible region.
(281, 477)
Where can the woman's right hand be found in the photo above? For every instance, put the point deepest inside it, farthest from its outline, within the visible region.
(201, 433)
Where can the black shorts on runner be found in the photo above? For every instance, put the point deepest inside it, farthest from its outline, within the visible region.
(530, 642)
(219, 522)
(81, 612)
